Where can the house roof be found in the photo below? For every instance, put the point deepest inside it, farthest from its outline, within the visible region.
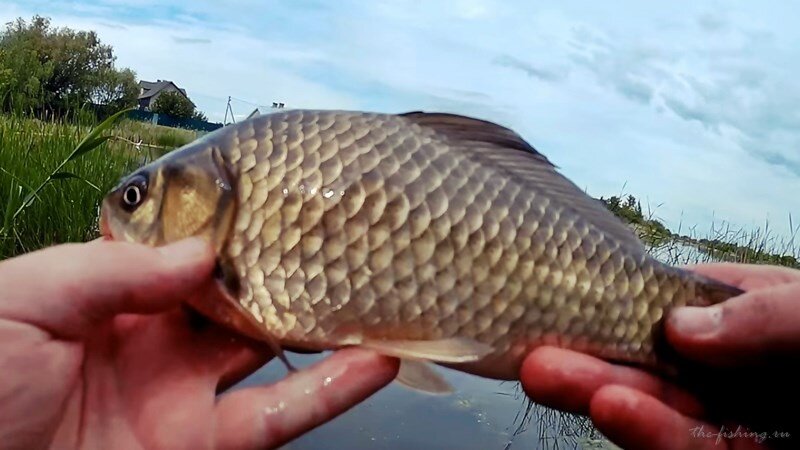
(151, 88)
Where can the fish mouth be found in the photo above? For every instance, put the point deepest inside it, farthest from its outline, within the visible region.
(105, 228)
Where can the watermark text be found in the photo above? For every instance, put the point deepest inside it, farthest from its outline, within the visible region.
(726, 433)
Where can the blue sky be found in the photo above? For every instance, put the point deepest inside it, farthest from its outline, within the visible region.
(691, 106)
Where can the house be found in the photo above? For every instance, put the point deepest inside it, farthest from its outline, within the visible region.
(150, 90)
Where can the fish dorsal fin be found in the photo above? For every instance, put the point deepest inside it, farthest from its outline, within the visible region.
(469, 129)
(505, 150)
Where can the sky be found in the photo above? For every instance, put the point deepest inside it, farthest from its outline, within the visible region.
(693, 107)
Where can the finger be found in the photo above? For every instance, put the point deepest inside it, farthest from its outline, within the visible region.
(747, 276)
(241, 365)
(568, 380)
(227, 356)
(267, 417)
(244, 358)
(69, 288)
(635, 420)
(750, 328)
(183, 344)
(214, 340)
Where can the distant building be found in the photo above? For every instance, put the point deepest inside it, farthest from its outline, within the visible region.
(150, 90)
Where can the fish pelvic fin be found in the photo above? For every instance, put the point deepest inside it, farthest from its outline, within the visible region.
(450, 350)
(423, 377)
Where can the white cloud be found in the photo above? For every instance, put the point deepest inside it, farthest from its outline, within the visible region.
(692, 108)
(221, 64)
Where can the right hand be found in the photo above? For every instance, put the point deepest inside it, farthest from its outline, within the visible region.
(749, 349)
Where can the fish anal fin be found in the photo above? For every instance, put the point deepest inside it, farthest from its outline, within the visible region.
(450, 350)
(422, 376)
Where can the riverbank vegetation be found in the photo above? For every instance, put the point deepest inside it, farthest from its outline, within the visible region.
(721, 243)
(65, 209)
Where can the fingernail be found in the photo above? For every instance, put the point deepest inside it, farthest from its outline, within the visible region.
(696, 320)
(186, 250)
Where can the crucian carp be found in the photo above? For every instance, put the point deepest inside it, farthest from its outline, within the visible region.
(430, 237)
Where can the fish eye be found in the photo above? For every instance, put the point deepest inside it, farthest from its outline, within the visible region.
(134, 193)
(132, 196)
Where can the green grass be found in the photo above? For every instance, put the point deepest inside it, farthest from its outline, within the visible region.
(66, 209)
(154, 135)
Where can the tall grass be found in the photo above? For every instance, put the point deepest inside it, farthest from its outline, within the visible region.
(154, 136)
(66, 208)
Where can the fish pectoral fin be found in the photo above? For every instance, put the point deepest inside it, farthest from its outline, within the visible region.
(422, 376)
(277, 350)
(451, 350)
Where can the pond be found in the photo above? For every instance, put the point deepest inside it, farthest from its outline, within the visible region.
(481, 414)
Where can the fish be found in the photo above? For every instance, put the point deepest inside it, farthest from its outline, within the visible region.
(431, 237)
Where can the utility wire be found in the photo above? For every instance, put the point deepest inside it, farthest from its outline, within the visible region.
(274, 104)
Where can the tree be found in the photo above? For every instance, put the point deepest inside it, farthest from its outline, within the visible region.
(177, 105)
(53, 70)
(114, 90)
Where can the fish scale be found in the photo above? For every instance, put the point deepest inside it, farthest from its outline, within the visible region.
(423, 167)
(353, 228)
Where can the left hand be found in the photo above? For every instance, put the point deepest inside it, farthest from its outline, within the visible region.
(97, 352)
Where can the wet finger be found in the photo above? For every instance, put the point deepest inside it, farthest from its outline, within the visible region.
(567, 380)
(226, 356)
(245, 357)
(750, 328)
(267, 417)
(180, 348)
(635, 420)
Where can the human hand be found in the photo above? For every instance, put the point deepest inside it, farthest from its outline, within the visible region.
(97, 352)
(747, 350)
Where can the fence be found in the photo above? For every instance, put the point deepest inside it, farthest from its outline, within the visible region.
(173, 122)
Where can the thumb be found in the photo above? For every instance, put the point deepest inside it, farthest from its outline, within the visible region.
(69, 288)
(756, 326)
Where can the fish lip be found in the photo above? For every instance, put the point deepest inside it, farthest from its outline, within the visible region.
(105, 228)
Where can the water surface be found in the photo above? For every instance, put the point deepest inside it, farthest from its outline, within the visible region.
(482, 414)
